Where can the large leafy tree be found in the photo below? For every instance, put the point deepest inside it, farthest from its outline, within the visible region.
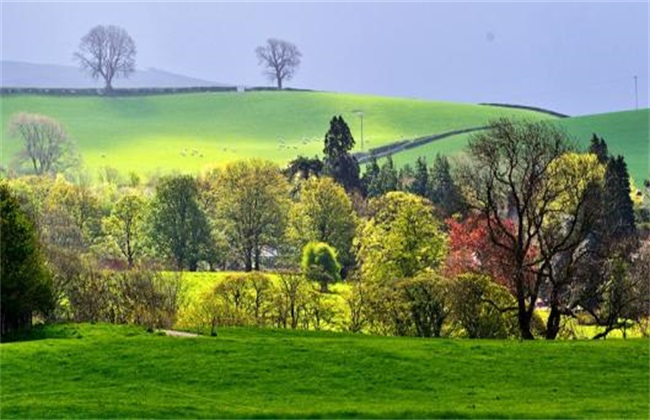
(125, 226)
(339, 163)
(401, 238)
(25, 287)
(324, 213)
(179, 227)
(253, 202)
(513, 183)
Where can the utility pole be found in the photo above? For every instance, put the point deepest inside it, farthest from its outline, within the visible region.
(636, 93)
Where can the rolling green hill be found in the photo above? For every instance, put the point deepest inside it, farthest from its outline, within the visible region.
(626, 133)
(187, 132)
(105, 371)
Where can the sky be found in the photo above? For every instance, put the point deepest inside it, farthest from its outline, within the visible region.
(575, 58)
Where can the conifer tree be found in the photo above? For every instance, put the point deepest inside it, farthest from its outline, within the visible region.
(339, 163)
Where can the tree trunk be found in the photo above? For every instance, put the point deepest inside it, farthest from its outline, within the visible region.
(553, 323)
(279, 83)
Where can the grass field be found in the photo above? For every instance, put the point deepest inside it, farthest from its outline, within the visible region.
(626, 133)
(188, 132)
(105, 371)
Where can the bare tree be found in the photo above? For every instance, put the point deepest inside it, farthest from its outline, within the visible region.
(46, 142)
(279, 58)
(107, 51)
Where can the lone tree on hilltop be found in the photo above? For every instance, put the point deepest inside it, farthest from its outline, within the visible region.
(107, 51)
(279, 58)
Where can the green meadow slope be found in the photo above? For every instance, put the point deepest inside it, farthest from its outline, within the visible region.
(187, 132)
(105, 371)
(626, 133)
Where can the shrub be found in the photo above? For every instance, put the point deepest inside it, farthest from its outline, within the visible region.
(427, 299)
(320, 263)
(483, 308)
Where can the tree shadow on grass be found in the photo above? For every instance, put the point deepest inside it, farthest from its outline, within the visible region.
(42, 332)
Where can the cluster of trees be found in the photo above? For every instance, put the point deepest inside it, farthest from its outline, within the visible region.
(526, 220)
(108, 52)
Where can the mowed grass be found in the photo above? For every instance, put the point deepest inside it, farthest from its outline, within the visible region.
(189, 132)
(626, 133)
(101, 371)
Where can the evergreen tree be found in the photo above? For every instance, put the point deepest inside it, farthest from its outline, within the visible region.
(370, 180)
(598, 147)
(388, 178)
(619, 213)
(420, 184)
(445, 194)
(405, 178)
(339, 163)
(26, 284)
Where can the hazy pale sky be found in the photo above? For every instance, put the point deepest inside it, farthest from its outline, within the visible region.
(577, 58)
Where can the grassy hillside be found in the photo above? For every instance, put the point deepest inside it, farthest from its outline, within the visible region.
(626, 133)
(189, 131)
(109, 371)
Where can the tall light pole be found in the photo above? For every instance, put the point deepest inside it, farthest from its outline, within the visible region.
(359, 113)
(636, 93)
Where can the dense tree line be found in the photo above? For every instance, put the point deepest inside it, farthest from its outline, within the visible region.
(470, 249)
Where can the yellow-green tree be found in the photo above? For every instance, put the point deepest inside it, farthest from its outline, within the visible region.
(252, 199)
(400, 239)
(125, 226)
(324, 213)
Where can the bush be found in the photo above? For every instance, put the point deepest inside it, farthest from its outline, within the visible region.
(483, 308)
(427, 299)
(320, 263)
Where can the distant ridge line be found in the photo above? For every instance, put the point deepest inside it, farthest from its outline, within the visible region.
(145, 91)
(530, 108)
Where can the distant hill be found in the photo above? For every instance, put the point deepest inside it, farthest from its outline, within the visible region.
(29, 75)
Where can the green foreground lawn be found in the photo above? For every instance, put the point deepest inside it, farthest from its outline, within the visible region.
(111, 371)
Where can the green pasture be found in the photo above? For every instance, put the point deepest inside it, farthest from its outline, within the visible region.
(626, 133)
(106, 371)
(189, 132)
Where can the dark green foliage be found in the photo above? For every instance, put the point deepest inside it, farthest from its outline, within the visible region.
(483, 308)
(445, 194)
(339, 163)
(178, 226)
(428, 302)
(370, 178)
(25, 286)
(320, 263)
(421, 185)
(388, 179)
(619, 214)
(598, 146)
(304, 167)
